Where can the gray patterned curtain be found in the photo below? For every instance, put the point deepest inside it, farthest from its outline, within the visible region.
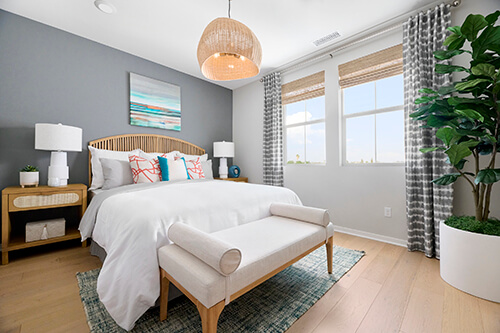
(273, 130)
(426, 203)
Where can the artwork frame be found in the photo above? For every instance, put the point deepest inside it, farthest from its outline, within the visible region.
(154, 103)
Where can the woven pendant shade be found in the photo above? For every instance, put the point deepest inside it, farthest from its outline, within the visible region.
(229, 50)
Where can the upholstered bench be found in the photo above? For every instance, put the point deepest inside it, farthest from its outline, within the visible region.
(214, 269)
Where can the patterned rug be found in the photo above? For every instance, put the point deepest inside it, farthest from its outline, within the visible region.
(271, 307)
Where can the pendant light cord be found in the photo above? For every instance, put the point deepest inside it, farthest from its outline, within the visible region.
(229, 10)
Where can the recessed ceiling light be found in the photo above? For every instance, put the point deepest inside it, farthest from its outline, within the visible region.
(105, 6)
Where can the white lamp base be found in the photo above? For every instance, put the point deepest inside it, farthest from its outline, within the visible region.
(58, 169)
(223, 167)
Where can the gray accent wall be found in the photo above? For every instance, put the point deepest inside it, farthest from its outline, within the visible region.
(51, 76)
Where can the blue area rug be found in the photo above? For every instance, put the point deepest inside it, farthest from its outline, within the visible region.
(273, 306)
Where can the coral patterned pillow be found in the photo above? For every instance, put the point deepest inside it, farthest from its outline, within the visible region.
(144, 170)
(195, 171)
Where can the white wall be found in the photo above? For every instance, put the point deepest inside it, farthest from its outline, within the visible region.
(355, 195)
(248, 133)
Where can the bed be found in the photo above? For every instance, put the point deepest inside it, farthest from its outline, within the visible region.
(130, 222)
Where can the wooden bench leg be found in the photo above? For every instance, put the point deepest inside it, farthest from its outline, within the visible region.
(164, 285)
(210, 317)
(329, 254)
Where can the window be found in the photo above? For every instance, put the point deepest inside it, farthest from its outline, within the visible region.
(304, 107)
(372, 108)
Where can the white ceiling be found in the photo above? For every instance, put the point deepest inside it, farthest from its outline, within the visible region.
(167, 32)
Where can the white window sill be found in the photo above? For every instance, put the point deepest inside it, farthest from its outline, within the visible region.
(365, 165)
(306, 164)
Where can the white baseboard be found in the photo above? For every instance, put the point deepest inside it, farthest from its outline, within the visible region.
(369, 235)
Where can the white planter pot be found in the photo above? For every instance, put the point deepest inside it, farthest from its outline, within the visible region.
(28, 178)
(469, 262)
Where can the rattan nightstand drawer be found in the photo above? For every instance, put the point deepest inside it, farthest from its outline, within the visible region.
(22, 202)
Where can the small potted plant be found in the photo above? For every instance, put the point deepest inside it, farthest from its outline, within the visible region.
(28, 176)
(466, 115)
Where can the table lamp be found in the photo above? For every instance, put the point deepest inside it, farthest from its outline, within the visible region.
(59, 139)
(223, 150)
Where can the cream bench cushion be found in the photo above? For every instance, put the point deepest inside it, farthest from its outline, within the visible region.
(265, 245)
(205, 266)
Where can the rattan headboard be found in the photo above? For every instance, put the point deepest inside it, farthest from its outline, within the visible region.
(150, 143)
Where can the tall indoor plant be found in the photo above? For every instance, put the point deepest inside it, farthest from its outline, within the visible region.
(466, 115)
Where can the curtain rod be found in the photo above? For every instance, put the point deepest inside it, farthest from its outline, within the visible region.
(399, 19)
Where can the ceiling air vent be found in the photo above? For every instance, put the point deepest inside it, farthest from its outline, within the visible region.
(327, 38)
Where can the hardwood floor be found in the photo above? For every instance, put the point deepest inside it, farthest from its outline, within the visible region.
(389, 290)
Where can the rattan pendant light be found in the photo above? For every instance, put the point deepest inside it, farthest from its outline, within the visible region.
(229, 50)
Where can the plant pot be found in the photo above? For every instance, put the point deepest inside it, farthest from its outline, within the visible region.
(468, 262)
(28, 178)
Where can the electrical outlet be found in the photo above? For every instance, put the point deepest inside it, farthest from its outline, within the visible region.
(387, 211)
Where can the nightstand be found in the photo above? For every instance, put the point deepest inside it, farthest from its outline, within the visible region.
(16, 199)
(239, 179)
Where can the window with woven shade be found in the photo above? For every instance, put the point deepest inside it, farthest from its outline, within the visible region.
(373, 67)
(304, 107)
(372, 94)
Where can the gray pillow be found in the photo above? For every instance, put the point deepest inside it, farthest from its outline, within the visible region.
(116, 173)
(207, 169)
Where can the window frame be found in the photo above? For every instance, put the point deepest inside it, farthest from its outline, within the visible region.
(304, 124)
(375, 111)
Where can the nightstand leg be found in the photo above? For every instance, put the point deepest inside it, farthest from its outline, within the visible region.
(5, 258)
(83, 207)
(5, 229)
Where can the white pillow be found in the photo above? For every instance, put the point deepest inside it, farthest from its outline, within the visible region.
(97, 154)
(172, 155)
(173, 169)
(203, 158)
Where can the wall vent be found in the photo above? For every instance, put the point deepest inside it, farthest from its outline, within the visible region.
(327, 38)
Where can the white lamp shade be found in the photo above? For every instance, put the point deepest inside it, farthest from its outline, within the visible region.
(223, 149)
(58, 137)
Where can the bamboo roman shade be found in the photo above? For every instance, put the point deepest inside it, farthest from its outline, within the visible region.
(305, 88)
(375, 66)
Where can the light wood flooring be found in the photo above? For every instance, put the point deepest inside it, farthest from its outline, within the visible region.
(389, 290)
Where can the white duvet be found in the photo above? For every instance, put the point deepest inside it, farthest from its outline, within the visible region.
(132, 225)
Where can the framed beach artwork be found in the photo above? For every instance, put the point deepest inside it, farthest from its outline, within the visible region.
(154, 103)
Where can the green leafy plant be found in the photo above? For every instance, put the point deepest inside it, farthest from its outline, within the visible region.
(466, 113)
(29, 168)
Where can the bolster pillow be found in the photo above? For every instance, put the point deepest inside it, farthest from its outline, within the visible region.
(223, 257)
(302, 213)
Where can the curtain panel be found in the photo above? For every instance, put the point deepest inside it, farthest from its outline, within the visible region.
(426, 203)
(273, 130)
